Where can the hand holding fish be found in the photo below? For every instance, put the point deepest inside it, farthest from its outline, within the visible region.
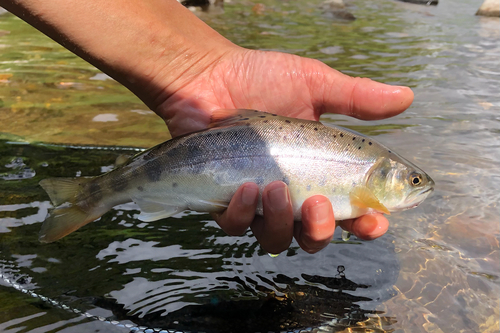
(184, 71)
(306, 89)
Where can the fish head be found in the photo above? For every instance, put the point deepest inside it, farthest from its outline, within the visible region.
(398, 184)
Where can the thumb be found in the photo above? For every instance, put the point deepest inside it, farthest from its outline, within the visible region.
(356, 97)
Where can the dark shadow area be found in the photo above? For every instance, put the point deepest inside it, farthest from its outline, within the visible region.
(295, 307)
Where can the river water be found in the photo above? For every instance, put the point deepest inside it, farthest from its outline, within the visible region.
(436, 270)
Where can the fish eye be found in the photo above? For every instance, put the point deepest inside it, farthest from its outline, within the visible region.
(415, 179)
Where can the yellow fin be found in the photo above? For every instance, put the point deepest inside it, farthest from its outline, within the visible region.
(363, 197)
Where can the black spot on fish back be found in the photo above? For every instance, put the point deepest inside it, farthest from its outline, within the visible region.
(153, 170)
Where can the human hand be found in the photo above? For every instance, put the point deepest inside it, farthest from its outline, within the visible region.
(290, 86)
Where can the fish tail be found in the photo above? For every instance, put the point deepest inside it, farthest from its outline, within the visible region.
(62, 221)
(61, 190)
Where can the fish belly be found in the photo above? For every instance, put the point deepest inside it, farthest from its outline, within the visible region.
(209, 186)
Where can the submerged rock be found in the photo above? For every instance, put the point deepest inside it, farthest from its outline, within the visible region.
(336, 9)
(422, 2)
(489, 8)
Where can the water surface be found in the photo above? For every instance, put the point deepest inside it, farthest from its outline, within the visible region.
(436, 270)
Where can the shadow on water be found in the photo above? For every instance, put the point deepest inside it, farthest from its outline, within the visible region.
(181, 273)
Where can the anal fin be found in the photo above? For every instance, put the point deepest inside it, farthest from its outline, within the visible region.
(208, 205)
(152, 211)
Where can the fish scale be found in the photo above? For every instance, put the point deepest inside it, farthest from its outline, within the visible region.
(201, 171)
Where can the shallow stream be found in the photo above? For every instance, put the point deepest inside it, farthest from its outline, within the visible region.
(436, 270)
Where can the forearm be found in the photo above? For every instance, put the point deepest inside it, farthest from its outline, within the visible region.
(151, 46)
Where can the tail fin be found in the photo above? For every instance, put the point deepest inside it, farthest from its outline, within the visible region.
(61, 190)
(62, 221)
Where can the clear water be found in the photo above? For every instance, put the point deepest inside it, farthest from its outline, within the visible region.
(436, 270)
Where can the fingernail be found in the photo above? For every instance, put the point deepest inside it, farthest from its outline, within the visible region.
(319, 212)
(278, 198)
(249, 195)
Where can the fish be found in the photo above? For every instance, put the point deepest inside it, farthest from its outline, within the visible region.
(201, 171)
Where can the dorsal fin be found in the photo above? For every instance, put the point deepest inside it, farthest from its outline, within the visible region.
(227, 117)
(122, 160)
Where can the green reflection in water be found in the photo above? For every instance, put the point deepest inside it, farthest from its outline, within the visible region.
(49, 94)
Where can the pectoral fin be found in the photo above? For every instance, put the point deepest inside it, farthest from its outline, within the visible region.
(363, 197)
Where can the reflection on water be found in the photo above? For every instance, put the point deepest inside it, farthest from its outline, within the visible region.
(437, 269)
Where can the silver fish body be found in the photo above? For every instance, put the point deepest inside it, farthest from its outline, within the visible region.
(201, 172)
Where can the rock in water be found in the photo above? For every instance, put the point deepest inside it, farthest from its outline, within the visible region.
(489, 8)
(336, 9)
(205, 5)
(422, 2)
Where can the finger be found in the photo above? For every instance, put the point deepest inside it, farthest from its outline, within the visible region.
(275, 231)
(366, 227)
(240, 213)
(318, 224)
(359, 97)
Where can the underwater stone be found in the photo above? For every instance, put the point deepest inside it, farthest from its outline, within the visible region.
(422, 2)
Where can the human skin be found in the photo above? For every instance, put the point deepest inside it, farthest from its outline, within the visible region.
(184, 70)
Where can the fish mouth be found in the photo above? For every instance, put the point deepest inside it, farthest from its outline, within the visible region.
(415, 198)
